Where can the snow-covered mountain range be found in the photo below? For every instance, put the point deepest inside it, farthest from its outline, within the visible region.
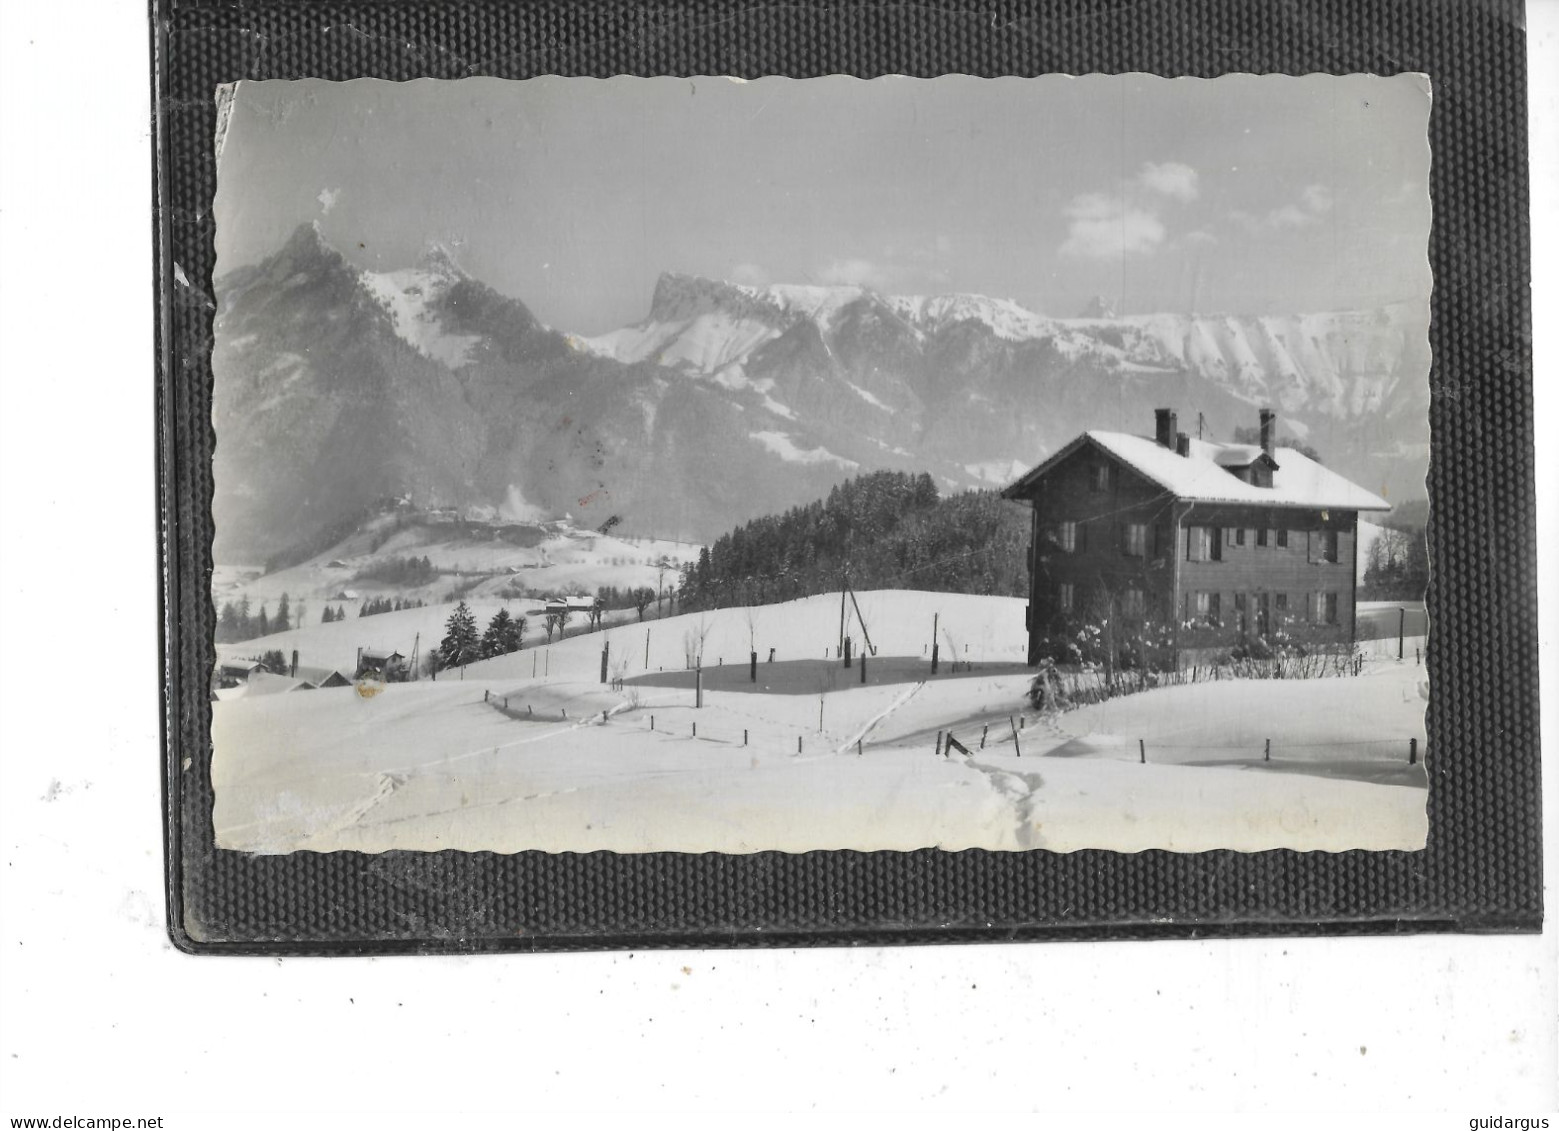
(337, 386)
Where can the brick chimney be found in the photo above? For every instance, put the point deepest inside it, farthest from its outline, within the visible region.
(1164, 427)
(1182, 445)
(1268, 421)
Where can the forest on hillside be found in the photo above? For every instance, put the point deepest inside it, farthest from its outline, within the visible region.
(885, 530)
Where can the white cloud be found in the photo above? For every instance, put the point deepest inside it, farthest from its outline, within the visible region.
(1314, 202)
(327, 200)
(1171, 179)
(749, 274)
(1290, 216)
(1199, 238)
(854, 273)
(1105, 228)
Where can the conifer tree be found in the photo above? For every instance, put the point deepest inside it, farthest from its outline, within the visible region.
(227, 623)
(503, 634)
(283, 619)
(461, 644)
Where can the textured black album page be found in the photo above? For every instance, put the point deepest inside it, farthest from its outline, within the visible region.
(678, 509)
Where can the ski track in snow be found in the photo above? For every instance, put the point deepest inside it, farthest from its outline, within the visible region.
(871, 724)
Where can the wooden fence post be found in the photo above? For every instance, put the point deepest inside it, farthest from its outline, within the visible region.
(939, 742)
(695, 730)
(1268, 755)
(1142, 751)
(986, 729)
(1412, 752)
(1015, 744)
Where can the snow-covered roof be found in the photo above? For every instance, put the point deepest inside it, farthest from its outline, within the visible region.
(1236, 455)
(1202, 475)
(265, 683)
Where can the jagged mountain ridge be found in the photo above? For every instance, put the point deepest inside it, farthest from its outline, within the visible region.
(337, 386)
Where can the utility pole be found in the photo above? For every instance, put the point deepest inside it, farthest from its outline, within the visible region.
(843, 586)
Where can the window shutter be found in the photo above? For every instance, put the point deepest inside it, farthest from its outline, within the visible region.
(1082, 537)
(1309, 545)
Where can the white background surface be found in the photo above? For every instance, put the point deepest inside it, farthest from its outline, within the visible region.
(99, 1015)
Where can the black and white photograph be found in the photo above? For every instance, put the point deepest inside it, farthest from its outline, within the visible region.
(713, 465)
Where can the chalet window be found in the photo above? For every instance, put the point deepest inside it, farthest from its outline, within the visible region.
(1261, 537)
(1100, 480)
(1066, 536)
(1241, 613)
(1263, 617)
(1201, 608)
(1328, 608)
(1239, 536)
(1133, 602)
(1323, 545)
(1065, 596)
(1281, 603)
(1283, 538)
(1134, 539)
(1203, 544)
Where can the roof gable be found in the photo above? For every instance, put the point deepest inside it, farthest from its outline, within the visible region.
(1203, 475)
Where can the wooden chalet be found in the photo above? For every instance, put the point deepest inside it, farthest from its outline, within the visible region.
(1218, 542)
(388, 666)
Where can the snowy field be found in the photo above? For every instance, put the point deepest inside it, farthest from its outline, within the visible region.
(809, 757)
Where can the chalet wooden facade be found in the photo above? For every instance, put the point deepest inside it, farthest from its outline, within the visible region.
(1212, 542)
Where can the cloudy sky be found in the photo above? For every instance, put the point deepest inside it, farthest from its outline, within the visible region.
(1243, 194)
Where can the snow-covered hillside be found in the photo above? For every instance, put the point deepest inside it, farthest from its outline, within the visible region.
(532, 751)
(488, 564)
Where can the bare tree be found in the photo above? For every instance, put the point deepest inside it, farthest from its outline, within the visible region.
(693, 641)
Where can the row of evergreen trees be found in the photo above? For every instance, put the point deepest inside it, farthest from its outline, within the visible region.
(400, 571)
(375, 605)
(237, 620)
(885, 530)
